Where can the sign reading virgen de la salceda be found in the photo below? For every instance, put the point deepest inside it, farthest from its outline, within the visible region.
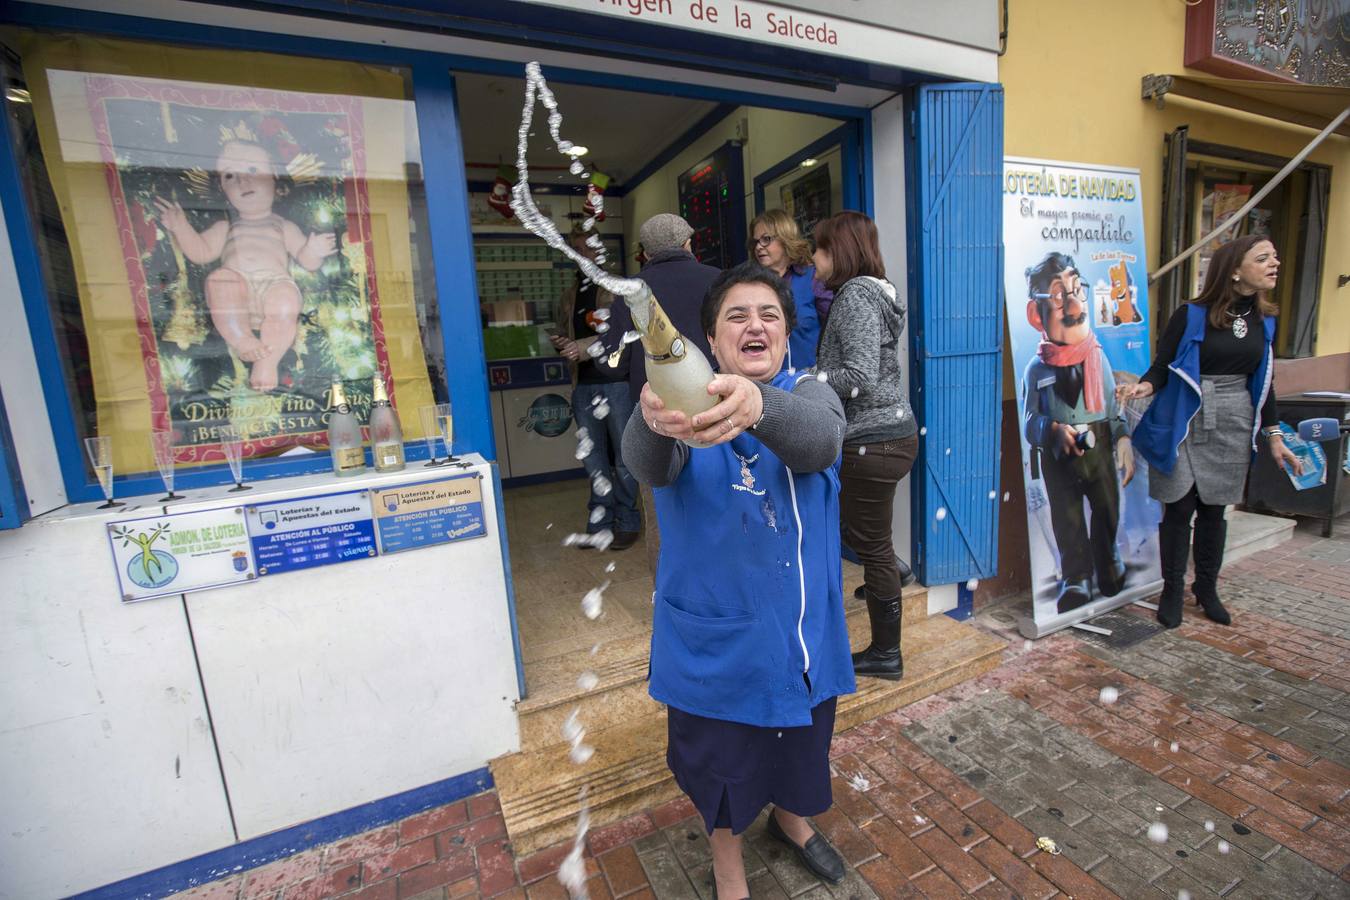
(158, 556)
(311, 531)
(429, 512)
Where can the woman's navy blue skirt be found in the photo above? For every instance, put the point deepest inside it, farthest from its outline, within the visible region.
(732, 771)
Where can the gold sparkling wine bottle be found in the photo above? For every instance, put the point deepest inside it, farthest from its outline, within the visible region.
(386, 434)
(676, 369)
(344, 436)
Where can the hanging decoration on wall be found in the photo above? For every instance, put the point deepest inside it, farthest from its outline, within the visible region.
(595, 191)
(244, 222)
(500, 198)
(1078, 325)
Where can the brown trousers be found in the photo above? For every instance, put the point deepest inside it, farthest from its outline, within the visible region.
(867, 505)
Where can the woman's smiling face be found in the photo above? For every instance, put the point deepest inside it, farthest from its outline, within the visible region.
(750, 337)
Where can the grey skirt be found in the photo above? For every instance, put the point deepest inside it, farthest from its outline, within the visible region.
(1217, 450)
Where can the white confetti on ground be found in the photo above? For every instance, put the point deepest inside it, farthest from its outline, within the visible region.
(859, 783)
(581, 754)
(610, 567)
(593, 604)
(941, 513)
(1174, 747)
(1224, 846)
(1183, 894)
(919, 820)
(1209, 826)
(1108, 695)
(595, 649)
(587, 681)
(548, 526)
(1157, 833)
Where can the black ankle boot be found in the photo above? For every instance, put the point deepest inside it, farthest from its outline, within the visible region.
(907, 577)
(1174, 550)
(1209, 544)
(882, 657)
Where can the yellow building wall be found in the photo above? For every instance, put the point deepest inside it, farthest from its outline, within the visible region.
(1071, 81)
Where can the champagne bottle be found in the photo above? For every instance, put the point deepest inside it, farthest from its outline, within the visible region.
(676, 369)
(344, 436)
(386, 434)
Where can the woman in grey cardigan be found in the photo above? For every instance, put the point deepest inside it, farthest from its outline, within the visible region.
(860, 357)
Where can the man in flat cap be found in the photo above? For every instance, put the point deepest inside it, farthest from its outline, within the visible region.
(680, 282)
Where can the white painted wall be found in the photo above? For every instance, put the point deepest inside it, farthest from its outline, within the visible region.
(328, 688)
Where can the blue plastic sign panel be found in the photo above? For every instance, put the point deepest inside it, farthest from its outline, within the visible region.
(311, 531)
(161, 556)
(429, 513)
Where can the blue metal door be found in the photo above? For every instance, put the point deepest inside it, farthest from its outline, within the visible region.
(956, 315)
(13, 502)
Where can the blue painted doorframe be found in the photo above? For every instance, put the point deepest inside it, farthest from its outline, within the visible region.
(955, 229)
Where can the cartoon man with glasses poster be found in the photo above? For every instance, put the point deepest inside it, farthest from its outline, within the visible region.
(1075, 431)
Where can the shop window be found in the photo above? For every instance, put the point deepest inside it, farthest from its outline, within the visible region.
(1213, 183)
(222, 235)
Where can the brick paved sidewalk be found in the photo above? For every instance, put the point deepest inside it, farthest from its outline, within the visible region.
(1222, 770)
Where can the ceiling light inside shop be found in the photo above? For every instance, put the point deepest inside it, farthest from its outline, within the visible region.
(809, 162)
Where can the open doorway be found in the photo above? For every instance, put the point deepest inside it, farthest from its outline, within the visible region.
(715, 163)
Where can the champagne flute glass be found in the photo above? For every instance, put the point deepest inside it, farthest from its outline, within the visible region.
(232, 445)
(446, 422)
(100, 457)
(162, 444)
(430, 431)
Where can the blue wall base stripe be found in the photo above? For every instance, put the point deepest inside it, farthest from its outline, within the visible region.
(259, 851)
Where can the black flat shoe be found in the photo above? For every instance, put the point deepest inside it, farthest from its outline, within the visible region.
(817, 855)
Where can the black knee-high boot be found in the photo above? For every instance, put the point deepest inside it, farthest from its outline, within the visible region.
(1174, 550)
(1209, 543)
(882, 657)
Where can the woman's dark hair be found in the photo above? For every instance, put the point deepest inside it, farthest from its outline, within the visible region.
(1219, 294)
(746, 273)
(851, 240)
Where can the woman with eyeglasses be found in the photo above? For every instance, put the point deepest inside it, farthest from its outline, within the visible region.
(1213, 394)
(860, 358)
(777, 244)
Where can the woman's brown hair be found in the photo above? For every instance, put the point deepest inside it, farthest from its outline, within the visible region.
(1219, 294)
(782, 226)
(851, 240)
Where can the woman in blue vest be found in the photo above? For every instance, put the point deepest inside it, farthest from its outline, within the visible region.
(1213, 395)
(776, 244)
(749, 644)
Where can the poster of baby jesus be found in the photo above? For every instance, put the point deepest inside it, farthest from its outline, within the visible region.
(245, 228)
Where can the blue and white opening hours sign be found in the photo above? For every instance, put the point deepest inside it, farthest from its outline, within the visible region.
(311, 531)
(429, 512)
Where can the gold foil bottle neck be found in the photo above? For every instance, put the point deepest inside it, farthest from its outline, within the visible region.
(662, 342)
(379, 394)
(339, 398)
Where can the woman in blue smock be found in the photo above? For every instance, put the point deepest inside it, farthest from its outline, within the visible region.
(776, 244)
(749, 644)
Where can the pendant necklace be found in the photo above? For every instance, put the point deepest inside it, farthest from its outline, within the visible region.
(1239, 322)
